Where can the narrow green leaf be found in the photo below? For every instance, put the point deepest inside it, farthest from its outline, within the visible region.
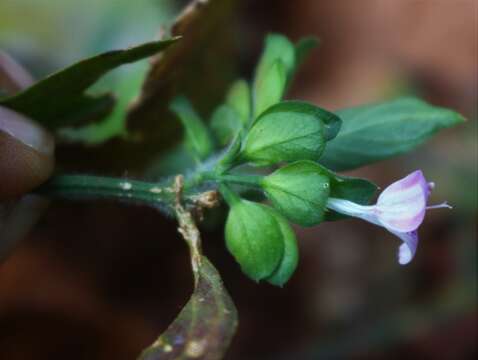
(239, 98)
(289, 131)
(59, 100)
(205, 326)
(254, 238)
(290, 259)
(197, 134)
(303, 49)
(277, 48)
(299, 191)
(225, 124)
(271, 87)
(375, 132)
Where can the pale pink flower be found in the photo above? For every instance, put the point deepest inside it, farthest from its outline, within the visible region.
(400, 209)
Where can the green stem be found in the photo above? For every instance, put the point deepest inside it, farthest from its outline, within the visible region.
(152, 194)
(248, 180)
(96, 187)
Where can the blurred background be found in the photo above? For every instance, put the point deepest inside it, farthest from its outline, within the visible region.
(101, 280)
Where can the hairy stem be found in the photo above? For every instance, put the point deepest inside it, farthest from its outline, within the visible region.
(97, 187)
(158, 195)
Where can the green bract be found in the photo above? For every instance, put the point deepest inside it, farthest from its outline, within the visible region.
(225, 124)
(290, 259)
(239, 98)
(231, 117)
(198, 138)
(254, 238)
(357, 190)
(273, 72)
(277, 47)
(289, 131)
(299, 191)
(271, 88)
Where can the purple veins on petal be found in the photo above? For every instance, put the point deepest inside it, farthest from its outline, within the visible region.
(401, 206)
(400, 209)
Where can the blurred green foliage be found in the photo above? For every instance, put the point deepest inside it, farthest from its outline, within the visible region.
(60, 32)
(64, 32)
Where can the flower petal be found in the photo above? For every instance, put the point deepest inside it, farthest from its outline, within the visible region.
(407, 250)
(346, 207)
(401, 206)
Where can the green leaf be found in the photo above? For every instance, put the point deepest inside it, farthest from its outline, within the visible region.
(303, 49)
(299, 191)
(197, 134)
(205, 326)
(277, 48)
(225, 124)
(289, 131)
(375, 132)
(290, 259)
(270, 89)
(239, 98)
(127, 86)
(254, 238)
(59, 100)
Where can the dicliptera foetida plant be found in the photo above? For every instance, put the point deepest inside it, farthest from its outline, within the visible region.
(286, 152)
